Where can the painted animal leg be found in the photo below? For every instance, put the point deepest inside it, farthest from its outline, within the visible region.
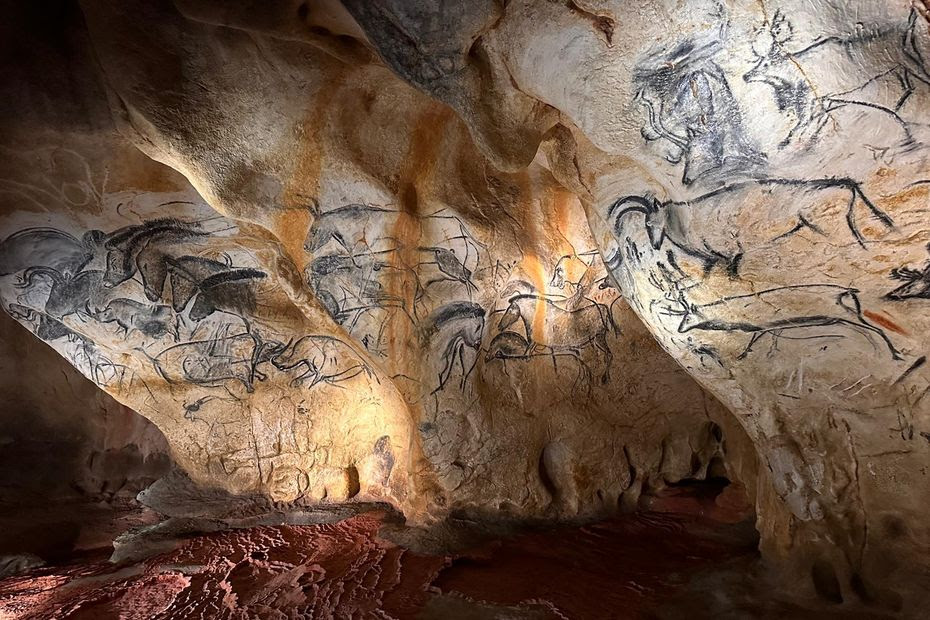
(600, 341)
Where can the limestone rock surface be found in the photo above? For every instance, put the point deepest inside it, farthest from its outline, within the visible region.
(525, 258)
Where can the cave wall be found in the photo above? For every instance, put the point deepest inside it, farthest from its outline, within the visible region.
(63, 438)
(432, 214)
(378, 314)
(755, 175)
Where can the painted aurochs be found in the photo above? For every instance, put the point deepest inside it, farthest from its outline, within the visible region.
(520, 258)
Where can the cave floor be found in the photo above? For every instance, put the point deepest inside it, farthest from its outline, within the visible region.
(686, 556)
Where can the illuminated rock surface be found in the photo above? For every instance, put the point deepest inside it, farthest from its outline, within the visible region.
(496, 260)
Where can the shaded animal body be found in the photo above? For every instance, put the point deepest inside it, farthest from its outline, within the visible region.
(827, 74)
(46, 328)
(48, 247)
(328, 265)
(344, 225)
(348, 286)
(185, 273)
(460, 326)
(781, 309)
(229, 291)
(507, 345)
(691, 108)
(157, 262)
(68, 295)
(692, 226)
(449, 266)
(318, 359)
(216, 361)
(125, 245)
(563, 330)
(152, 320)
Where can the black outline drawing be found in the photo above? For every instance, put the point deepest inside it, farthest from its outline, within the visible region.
(184, 275)
(315, 356)
(589, 323)
(48, 247)
(229, 291)
(460, 325)
(100, 369)
(363, 285)
(124, 245)
(214, 361)
(68, 295)
(668, 221)
(690, 106)
(449, 266)
(759, 315)
(788, 71)
(916, 282)
(153, 320)
(344, 225)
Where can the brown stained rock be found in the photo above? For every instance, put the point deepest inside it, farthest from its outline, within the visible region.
(348, 344)
(743, 184)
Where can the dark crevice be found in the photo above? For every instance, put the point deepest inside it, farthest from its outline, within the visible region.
(826, 584)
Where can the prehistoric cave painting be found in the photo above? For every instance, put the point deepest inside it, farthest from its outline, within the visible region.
(184, 275)
(362, 272)
(153, 320)
(458, 328)
(125, 249)
(450, 267)
(230, 291)
(583, 262)
(314, 359)
(803, 205)
(169, 305)
(345, 226)
(45, 327)
(779, 312)
(68, 294)
(82, 353)
(246, 357)
(708, 355)
(215, 361)
(690, 109)
(811, 82)
(140, 249)
(916, 283)
(354, 291)
(566, 332)
(50, 248)
(191, 409)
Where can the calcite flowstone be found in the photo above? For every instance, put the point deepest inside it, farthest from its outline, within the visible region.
(431, 215)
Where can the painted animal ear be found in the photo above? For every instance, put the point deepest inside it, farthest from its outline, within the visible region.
(782, 31)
